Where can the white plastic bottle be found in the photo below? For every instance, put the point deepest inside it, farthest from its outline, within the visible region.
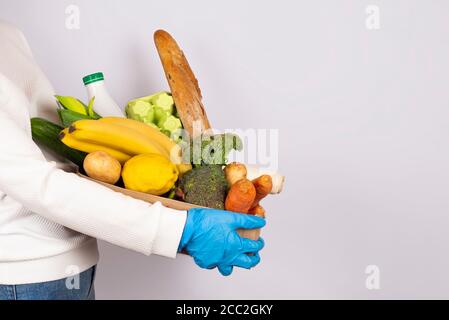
(104, 105)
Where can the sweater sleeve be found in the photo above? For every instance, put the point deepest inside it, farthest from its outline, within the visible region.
(77, 203)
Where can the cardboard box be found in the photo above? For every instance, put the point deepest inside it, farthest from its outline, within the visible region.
(170, 203)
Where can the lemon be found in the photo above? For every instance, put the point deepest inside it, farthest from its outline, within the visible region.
(150, 173)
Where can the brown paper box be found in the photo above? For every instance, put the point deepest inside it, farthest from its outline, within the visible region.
(170, 203)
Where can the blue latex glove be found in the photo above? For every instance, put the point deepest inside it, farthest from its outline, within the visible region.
(210, 237)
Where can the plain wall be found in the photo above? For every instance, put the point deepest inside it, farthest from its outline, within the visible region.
(363, 117)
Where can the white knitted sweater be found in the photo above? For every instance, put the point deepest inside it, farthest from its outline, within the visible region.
(49, 218)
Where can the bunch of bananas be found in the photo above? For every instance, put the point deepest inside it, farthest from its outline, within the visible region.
(123, 139)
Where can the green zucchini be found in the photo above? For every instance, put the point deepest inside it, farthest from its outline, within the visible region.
(46, 133)
(68, 117)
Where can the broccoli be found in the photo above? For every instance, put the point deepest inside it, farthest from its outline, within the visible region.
(204, 186)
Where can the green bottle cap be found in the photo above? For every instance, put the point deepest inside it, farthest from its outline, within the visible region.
(94, 77)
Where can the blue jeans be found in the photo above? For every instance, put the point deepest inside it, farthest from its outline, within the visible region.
(64, 289)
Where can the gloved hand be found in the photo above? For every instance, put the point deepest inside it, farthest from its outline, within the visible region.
(210, 237)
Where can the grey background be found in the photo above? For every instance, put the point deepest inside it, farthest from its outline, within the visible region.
(363, 118)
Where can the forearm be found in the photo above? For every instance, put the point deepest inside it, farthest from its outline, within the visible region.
(94, 210)
(80, 204)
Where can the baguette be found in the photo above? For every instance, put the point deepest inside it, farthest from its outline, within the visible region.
(183, 84)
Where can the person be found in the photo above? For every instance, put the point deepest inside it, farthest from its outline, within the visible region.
(50, 218)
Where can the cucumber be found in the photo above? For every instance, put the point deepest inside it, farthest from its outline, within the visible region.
(46, 133)
(68, 117)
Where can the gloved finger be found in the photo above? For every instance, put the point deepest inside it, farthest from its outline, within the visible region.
(246, 261)
(247, 221)
(225, 270)
(252, 246)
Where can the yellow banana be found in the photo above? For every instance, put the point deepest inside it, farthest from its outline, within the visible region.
(68, 139)
(147, 131)
(155, 135)
(117, 137)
